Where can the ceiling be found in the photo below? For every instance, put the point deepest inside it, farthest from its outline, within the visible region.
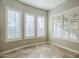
(43, 4)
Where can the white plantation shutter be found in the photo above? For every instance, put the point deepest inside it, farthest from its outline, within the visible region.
(13, 25)
(41, 26)
(29, 26)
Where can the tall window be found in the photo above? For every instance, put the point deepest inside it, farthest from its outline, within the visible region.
(29, 26)
(12, 25)
(40, 26)
(65, 28)
(57, 27)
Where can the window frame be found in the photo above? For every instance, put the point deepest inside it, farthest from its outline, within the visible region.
(29, 37)
(40, 36)
(6, 24)
(62, 38)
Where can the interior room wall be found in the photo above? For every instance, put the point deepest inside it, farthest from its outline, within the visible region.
(24, 8)
(0, 24)
(59, 9)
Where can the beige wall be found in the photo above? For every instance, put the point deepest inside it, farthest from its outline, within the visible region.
(24, 8)
(0, 25)
(61, 8)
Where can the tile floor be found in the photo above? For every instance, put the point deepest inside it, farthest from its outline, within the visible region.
(40, 51)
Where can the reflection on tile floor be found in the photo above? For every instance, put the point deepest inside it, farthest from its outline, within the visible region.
(39, 51)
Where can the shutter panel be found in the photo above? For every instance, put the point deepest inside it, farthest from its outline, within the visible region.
(13, 24)
(29, 26)
(41, 26)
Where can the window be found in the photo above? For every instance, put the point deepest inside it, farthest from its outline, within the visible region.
(40, 26)
(65, 28)
(12, 25)
(29, 26)
(57, 27)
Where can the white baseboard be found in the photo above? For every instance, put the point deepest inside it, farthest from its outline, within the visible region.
(21, 47)
(72, 50)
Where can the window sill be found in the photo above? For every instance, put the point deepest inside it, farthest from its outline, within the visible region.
(12, 40)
